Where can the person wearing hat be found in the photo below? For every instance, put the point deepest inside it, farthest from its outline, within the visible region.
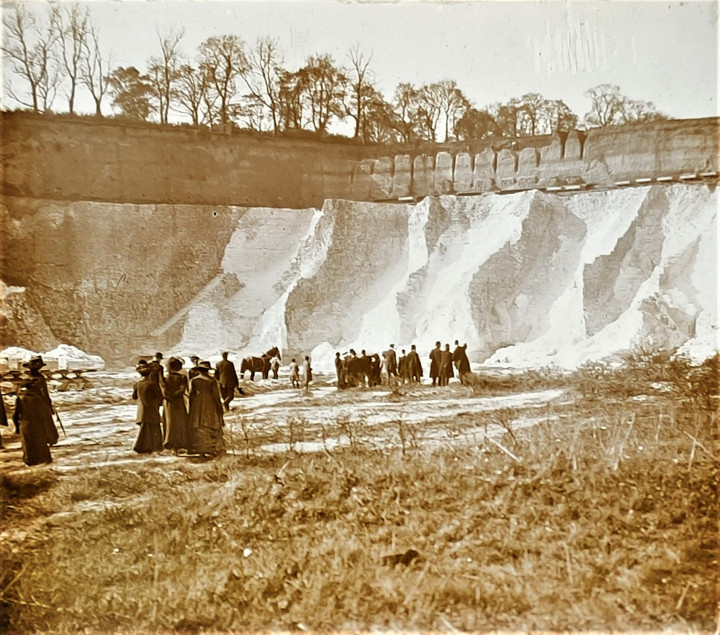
(147, 393)
(157, 373)
(445, 372)
(194, 361)
(435, 354)
(33, 415)
(390, 357)
(227, 377)
(414, 365)
(206, 412)
(176, 431)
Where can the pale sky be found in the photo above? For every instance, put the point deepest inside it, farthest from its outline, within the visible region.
(664, 52)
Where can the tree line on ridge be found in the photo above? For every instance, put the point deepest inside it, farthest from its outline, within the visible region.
(248, 86)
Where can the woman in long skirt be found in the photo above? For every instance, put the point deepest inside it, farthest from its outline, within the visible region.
(147, 393)
(33, 415)
(206, 412)
(175, 416)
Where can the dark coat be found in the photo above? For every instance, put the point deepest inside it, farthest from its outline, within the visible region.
(33, 414)
(206, 415)
(175, 416)
(390, 362)
(157, 373)
(446, 369)
(414, 365)
(462, 363)
(435, 363)
(149, 397)
(403, 367)
(226, 375)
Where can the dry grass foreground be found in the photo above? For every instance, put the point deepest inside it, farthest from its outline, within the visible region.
(603, 519)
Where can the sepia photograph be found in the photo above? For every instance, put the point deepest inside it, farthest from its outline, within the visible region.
(331, 316)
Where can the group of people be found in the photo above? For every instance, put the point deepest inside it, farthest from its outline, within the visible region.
(300, 374)
(184, 411)
(192, 405)
(353, 369)
(442, 360)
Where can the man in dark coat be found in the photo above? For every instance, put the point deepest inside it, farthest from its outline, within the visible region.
(227, 378)
(446, 369)
(390, 364)
(403, 373)
(435, 363)
(462, 363)
(415, 371)
(147, 393)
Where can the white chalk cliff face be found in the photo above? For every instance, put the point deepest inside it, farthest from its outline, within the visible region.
(526, 279)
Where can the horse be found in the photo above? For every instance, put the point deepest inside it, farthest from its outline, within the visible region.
(259, 364)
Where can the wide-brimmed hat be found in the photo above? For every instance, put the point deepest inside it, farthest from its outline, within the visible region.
(142, 365)
(35, 362)
(203, 366)
(175, 363)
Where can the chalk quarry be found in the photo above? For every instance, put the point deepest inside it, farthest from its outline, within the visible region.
(526, 279)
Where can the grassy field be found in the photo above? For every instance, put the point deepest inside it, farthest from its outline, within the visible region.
(603, 516)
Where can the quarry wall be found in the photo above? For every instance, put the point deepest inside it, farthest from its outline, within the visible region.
(121, 240)
(65, 159)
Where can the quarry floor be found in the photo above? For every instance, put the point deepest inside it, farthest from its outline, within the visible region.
(272, 417)
(605, 520)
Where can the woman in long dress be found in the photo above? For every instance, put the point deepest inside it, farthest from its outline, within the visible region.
(206, 412)
(175, 416)
(147, 393)
(33, 415)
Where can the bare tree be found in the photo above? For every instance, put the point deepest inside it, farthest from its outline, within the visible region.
(30, 51)
(362, 91)
(223, 61)
(430, 100)
(606, 105)
(452, 104)
(72, 28)
(406, 106)
(163, 72)
(191, 94)
(262, 79)
(94, 73)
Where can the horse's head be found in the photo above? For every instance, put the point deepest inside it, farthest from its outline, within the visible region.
(273, 352)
